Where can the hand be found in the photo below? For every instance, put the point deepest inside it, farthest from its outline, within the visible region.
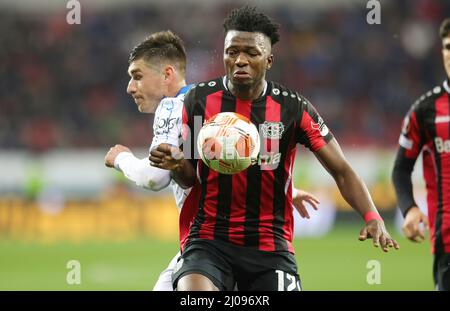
(298, 196)
(113, 153)
(166, 157)
(411, 226)
(376, 230)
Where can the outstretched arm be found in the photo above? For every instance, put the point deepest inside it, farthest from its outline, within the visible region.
(356, 194)
(137, 170)
(171, 158)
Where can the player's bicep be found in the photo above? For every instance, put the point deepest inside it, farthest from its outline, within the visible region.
(332, 158)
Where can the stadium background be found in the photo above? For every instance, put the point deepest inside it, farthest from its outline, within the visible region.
(63, 104)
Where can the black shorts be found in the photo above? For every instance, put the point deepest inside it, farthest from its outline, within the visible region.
(228, 265)
(441, 271)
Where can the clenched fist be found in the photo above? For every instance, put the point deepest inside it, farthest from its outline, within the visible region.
(113, 153)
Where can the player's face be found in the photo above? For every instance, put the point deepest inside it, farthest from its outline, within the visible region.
(247, 56)
(146, 86)
(446, 54)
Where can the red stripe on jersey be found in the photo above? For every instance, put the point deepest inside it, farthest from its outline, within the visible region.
(266, 218)
(413, 133)
(442, 131)
(213, 106)
(238, 201)
(185, 120)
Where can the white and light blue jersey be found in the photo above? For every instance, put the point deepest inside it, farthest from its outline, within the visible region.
(167, 126)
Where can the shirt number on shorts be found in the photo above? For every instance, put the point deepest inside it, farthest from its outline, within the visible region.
(291, 280)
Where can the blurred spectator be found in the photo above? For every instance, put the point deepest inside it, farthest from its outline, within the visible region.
(64, 86)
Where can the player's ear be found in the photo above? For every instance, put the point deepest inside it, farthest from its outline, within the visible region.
(269, 62)
(168, 72)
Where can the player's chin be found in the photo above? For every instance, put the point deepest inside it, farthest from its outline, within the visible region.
(242, 82)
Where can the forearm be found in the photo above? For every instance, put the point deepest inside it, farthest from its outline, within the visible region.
(184, 174)
(401, 178)
(355, 192)
(140, 172)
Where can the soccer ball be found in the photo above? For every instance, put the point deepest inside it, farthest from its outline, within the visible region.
(228, 143)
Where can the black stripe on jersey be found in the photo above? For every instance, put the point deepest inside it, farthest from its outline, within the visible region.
(253, 196)
(439, 239)
(225, 187)
(279, 197)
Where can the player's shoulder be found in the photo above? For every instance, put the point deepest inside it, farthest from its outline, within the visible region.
(282, 93)
(285, 95)
(428, 98)
(170, 104)
(205, 88)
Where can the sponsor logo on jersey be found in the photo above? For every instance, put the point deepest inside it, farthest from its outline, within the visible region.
(164, 125)
(320, 126)
(442, 119)
(442, 146)
(272, 130)
(269, 159)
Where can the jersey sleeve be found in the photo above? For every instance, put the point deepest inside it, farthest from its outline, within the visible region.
(167, 123)
(410, 140)
(311, 130)
(410, 145)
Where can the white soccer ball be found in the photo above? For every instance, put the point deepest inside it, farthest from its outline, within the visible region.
(228, 143)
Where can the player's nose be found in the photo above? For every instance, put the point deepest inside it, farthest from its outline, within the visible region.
(241, 60)
(131, 88)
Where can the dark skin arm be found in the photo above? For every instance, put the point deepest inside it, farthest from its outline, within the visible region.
(355, 192)
(171, 158)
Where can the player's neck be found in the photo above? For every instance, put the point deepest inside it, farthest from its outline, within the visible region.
(247, 92)
(175, 88)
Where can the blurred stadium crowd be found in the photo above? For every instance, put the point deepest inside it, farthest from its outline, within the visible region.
(64, 86)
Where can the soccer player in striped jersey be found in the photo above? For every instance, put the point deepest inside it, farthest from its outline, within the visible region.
(157, 69)
(240, 226)
(426, 129)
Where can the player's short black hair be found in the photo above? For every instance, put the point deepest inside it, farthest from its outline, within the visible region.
(249, 19)
(444, 30)
(163, 45)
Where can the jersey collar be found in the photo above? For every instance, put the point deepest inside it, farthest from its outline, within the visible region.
(184, 90)
(225, 80)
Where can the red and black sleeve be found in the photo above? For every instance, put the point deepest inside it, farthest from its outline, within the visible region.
(410, 145)
(311, 131)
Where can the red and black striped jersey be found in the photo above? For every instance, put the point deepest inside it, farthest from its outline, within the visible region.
(426, 129)
(254, 207)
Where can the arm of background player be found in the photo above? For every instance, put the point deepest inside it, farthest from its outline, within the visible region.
(137, 170)
(401, 177)
(298, 199)
(355, 193)
(171, 158)
(410, 146)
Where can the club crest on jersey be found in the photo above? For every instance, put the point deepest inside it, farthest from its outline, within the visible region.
(272, 130)
(320, 126)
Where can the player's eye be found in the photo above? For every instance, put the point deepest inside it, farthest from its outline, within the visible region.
(447, 47)
(232, 53)
(137, 78)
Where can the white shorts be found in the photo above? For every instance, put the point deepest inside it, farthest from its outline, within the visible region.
(164, 282)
